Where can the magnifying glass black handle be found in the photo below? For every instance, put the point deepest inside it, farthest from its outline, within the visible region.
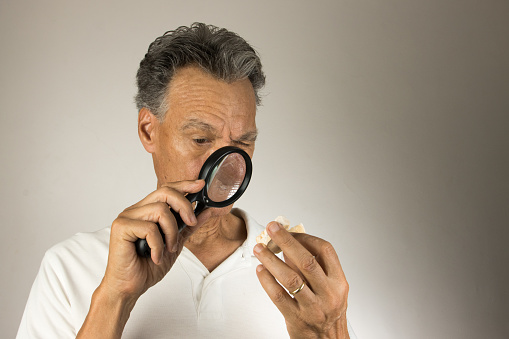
(142, 247)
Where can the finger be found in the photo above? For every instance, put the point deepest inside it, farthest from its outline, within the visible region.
(324, 253)
(186, 186)
(299, 255)
(158, 212)
(290, 264)
(132, 230)
(286, 305)
(174, 197)
(180, 187)
(288, 277)
(170, 197)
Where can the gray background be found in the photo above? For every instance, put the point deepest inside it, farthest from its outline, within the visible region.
(384, 130)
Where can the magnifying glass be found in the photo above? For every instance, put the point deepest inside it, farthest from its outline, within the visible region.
(227, 173)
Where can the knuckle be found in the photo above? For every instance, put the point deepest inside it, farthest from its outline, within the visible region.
(293, 282)
(153, 229)
(342, 288)
(124, 212)
(309, 264)
(280, 296)
(288, 241)
(327, 249)
(166, 190)
(163, 193)
(117, 223)
(345, 287)
(336, 300)
(333, 302)
(161, 209)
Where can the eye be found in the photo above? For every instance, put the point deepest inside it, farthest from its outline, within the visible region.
(200, 141)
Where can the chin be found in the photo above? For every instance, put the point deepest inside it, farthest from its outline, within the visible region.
(218, 212)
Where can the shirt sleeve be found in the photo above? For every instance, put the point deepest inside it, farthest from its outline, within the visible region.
(47, 313)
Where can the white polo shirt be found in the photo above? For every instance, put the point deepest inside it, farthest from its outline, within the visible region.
(189, 302)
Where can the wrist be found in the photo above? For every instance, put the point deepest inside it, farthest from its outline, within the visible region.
(116, 295)
(108, 314)
(108, 298)
(339, 330)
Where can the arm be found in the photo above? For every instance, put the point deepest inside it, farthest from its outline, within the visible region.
(107, 316)
(127, 275)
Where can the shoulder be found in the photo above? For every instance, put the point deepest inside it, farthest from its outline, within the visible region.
(86, 242)
(81, 251)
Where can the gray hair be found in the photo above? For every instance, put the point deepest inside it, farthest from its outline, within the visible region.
(222, 53)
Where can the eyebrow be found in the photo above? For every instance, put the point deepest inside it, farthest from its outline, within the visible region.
(249, 136)
(198, 124)
(194, 123)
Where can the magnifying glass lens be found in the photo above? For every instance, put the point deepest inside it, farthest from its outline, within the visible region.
(226, 178)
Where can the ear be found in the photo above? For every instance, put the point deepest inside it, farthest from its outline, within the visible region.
(147, 129)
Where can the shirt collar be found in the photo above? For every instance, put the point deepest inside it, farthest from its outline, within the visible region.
(253, 229)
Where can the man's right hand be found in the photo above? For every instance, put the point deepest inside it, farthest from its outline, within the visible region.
(128, 275)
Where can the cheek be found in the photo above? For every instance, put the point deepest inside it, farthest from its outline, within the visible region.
(173, 169)
(183, 169)
(194, 170)
(190, 166)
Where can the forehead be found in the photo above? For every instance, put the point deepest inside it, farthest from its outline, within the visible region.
(194, 94)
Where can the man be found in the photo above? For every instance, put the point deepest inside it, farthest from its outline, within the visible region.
(197, 92)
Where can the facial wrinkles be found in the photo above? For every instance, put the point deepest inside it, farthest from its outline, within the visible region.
(194, 95)
(231, 130)
(226, 118)
(192, 84)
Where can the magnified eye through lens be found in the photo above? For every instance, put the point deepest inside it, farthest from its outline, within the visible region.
(226, 178)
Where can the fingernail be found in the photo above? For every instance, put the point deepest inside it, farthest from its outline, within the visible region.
(258, 248)
(175, 247)
(259, 268)
(274, 227)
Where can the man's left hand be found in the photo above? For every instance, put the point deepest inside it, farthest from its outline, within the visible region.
(318, 309)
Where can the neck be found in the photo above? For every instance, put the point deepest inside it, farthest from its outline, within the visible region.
(216, 229)
(217, 239)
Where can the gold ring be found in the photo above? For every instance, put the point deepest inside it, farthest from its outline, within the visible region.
(299, 289)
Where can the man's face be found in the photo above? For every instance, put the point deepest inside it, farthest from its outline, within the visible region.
(204, 114)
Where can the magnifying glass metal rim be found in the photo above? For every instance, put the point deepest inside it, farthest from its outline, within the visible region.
(207, 171)
(201, 198)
